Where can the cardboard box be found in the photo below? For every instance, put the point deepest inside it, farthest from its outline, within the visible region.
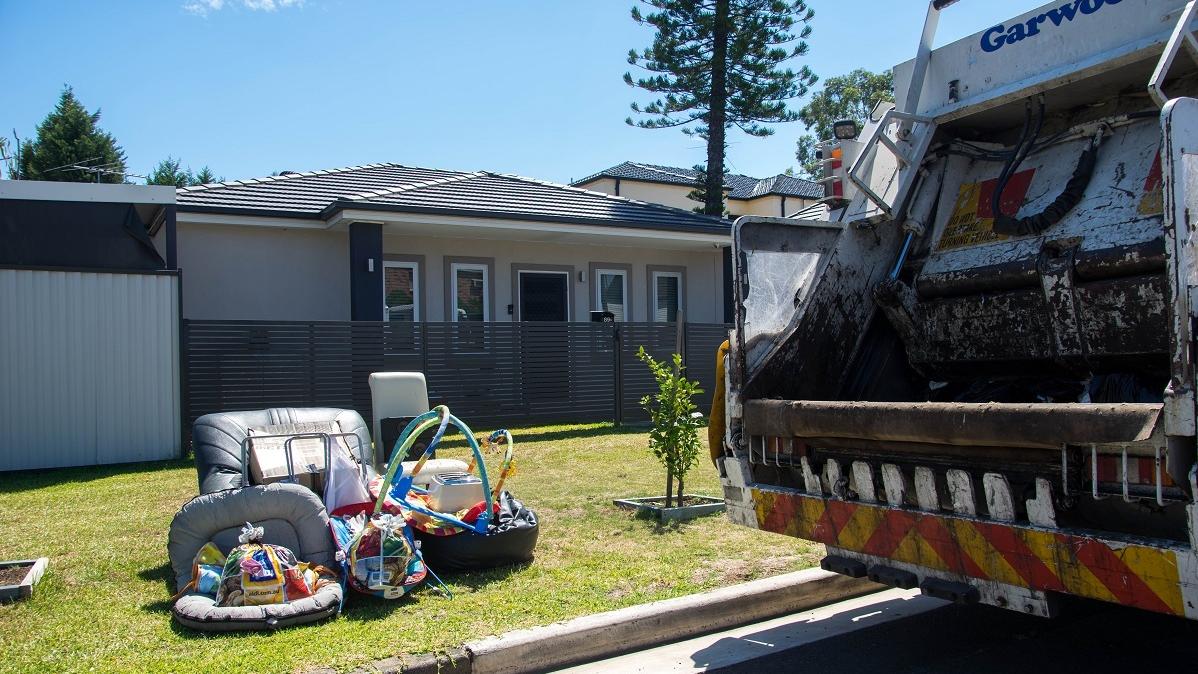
(268, 455)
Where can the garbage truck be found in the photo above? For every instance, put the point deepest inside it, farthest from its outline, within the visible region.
(971, 369)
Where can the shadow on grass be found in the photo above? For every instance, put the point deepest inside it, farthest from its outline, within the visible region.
(574, 433)
(668, 527)
(477, 580)
(162, 607)
(163, 573)
(28, 480)
(542, 434)
(366, 608)
(659, 528)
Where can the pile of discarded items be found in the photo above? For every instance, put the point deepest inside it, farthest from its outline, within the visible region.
(292, 511)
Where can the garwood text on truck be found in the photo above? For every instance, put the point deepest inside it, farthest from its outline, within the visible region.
(997, 36)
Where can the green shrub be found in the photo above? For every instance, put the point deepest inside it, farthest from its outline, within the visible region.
(674, 436)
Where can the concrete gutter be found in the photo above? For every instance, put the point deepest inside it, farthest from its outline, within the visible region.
(605, 635)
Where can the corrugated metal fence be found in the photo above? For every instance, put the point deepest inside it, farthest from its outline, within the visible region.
(488, 373)
(89, 368)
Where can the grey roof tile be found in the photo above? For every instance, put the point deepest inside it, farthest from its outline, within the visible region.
(739, 186)
(401, 188)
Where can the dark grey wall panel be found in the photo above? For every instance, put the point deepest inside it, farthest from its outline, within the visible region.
(490, 374)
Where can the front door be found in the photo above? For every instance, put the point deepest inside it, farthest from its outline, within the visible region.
(543, 296)
(545, 340)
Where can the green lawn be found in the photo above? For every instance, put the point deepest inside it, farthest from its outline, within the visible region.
(102, 605)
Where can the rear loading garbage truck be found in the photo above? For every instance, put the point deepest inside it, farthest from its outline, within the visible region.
(973, 370)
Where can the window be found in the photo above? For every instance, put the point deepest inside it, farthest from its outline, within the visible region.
(611, 292)
(667, 296)
(543, 295)
(401, 291)
(471, 296)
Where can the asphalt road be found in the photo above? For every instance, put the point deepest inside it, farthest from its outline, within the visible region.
(1087, 637)
(901, 631)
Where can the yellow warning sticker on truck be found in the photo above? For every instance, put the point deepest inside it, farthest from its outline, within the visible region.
(972, 219)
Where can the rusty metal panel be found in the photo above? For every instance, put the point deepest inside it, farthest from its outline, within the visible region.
(823, 320)
(999, 328)
(1114, 318)
(90, 364)
(1125, 316)
(1179, 125)
(779, 261)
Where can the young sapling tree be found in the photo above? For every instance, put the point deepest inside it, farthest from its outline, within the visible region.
(674, 435)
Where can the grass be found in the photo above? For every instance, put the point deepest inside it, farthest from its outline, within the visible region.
(102, 605)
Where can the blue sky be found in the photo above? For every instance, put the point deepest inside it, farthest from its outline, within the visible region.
(520, 86)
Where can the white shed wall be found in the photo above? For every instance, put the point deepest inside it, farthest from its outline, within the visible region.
(89, 368)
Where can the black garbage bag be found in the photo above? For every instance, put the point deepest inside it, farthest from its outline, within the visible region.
(1124, 387)
(510, 539)
(1015, 390)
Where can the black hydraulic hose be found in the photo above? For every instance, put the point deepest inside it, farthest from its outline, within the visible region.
(1021, 153)
(1069, 197)
(1006, 167)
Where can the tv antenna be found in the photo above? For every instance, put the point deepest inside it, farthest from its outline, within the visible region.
(111, 168)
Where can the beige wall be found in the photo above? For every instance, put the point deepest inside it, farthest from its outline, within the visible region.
(675, 195)
(236, 272)
(654, 193)
(263, 273)
(703, 294)
(770, 205)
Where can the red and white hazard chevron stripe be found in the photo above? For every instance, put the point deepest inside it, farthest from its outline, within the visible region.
(1154, 575)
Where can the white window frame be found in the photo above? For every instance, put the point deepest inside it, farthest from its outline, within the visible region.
(454, 267)
(623, 274)
(653, 293)
(415, 267)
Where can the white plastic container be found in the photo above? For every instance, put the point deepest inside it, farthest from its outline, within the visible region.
(451, 492)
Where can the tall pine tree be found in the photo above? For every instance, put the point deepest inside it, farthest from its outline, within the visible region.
(718, 64)
(69, 135)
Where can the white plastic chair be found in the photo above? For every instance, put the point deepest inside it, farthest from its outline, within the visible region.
(395, 394)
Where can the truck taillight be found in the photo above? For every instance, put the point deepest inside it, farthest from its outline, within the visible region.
(833, 163)
(837, 187)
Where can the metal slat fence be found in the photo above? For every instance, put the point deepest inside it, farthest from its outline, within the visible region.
(488, 373)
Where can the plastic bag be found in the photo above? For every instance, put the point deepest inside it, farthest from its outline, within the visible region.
(208, 579)
(1125, 388)
(380, 554)
(206, 571)
(343, 483)
(257, 573)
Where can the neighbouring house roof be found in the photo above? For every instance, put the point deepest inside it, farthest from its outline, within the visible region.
(409, 189)
(739, 186)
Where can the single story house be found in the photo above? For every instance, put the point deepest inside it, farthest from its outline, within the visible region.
(403, 243)
(779, 196)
